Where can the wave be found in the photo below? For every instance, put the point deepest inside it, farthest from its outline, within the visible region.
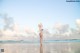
(44, 41)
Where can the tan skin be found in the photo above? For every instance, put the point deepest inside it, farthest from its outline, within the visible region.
(41, 37)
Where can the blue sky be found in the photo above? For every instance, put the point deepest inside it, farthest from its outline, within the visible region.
(48, 12)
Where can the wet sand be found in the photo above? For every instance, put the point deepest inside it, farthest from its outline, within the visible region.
(56, 47)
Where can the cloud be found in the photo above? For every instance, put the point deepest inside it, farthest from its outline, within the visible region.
(61, 28)
(8, 33)
(29, 30)
(28, 33)
(78, 22)
(16, 27)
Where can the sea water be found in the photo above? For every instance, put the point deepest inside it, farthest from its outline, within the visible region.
(49, 46)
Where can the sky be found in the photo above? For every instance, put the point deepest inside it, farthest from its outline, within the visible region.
(29, 13)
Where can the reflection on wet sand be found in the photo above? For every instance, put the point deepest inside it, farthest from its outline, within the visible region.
(47, 47)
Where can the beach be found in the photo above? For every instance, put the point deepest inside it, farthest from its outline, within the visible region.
(55, 47)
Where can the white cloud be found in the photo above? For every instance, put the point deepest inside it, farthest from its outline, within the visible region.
(28, 33)
(61, 28)
(78, 23)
